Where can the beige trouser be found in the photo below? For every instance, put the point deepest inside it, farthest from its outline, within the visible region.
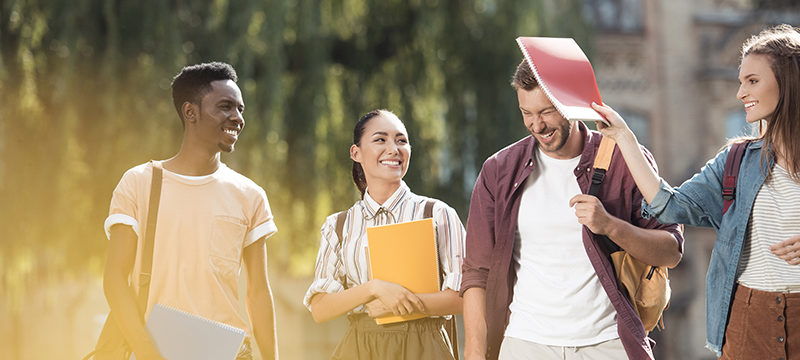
(516, 349)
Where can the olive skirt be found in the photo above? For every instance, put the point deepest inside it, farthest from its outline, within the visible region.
(420, 339)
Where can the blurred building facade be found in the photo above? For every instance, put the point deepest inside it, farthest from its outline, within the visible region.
(670, 68)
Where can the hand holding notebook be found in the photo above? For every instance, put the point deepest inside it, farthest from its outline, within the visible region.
(405, 254)
(565, 74)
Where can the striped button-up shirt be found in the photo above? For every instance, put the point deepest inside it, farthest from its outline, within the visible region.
(342, 265)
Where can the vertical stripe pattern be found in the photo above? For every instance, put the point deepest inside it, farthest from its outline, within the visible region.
(344, 264)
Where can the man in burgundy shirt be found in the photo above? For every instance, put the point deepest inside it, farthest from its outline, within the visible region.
(536, 283)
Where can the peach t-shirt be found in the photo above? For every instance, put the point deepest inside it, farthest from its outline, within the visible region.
(204, 223)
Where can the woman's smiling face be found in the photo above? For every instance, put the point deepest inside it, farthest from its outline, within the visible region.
(384, 149)
(759, 89)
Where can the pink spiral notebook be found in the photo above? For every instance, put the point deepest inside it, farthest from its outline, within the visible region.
(565, 74)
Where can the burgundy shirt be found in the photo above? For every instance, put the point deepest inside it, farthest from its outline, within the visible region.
(492, 224)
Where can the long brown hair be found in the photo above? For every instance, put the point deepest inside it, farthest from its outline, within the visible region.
(781, 44)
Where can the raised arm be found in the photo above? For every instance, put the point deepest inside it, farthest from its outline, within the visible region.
(121, 296)
(645, 176)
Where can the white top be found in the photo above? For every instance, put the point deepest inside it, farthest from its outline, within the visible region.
(204, 224)
(775, 218)
(345, 264)
(558, 299)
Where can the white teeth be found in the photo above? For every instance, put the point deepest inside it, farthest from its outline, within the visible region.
(390, 162)
(231, 132)
(749, 105)
(548, 135)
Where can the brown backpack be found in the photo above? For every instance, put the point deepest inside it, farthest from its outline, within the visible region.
(647, 286)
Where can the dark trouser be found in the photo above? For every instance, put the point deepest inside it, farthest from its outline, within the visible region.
(417, 339)
(763, 325)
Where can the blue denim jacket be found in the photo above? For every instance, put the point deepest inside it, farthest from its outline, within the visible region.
(698, 202)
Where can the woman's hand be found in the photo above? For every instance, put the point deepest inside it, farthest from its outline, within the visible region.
(788, 250)
(376, 308)
(395, 298)
(616, 129)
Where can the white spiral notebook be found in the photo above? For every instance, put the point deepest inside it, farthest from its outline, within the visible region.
(179, 335)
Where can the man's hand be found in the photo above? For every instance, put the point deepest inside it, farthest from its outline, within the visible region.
(592, 214)
(788, 250)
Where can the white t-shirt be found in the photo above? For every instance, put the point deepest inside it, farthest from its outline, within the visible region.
(558, 299)
(204, 224)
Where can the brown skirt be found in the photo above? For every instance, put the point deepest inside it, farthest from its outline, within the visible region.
(763, 325)
(417, 339)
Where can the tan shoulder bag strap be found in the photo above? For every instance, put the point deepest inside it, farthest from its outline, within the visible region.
(427, 213)
(601, 162)
(149, 237)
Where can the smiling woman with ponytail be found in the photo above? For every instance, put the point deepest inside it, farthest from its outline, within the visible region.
(381, 152)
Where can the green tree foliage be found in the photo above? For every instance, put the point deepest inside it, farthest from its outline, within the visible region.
(85, 95)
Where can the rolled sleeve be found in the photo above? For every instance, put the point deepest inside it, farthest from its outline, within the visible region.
(698, 201)
(480, 234)
(452, 235)
(123, 219)
(261, 214)
(323, 285)
(328, 270)
(124, 208)
(266, 230)
(659, 202)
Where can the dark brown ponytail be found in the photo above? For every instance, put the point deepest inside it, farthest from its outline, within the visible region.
(358, 173)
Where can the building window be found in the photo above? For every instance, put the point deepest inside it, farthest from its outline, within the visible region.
(616, 16)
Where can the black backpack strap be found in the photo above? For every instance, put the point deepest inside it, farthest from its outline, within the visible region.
(732, 164)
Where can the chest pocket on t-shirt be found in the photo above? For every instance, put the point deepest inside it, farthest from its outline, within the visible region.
(225, 243)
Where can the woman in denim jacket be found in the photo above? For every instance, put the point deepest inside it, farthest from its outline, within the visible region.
(753, 280)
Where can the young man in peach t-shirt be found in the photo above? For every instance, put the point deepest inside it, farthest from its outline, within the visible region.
(211, 220)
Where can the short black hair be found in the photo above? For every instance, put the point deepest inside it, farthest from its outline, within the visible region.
(194, 81)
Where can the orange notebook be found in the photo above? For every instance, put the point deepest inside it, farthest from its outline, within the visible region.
(565, 74)
(406, 254)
